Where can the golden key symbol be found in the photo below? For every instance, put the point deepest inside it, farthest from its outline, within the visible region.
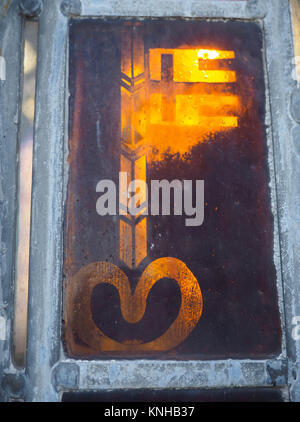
(170, 69)
(133, 307)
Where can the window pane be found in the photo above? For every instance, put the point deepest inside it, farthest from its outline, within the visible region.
(295, 4)
(146, 276)
(25, 181)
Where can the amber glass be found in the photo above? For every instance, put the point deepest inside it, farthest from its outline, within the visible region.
(174, 100)
(295, 9)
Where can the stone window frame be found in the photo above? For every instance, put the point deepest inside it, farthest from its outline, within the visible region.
(48, 371)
